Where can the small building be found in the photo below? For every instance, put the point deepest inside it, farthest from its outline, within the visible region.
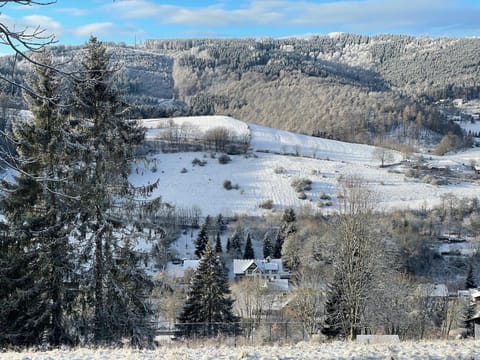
(476, 168)
(178, 267)
(271, 270)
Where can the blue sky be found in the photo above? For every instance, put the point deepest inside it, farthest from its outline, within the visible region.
(73, 21)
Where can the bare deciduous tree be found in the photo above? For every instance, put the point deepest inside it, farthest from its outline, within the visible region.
(358, 260)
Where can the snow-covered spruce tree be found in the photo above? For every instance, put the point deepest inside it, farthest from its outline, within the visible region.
(248, 253)
(267, 246)
(218, 244)
(208, 310)
(112, 305)
(201, 241)
(287, 228)
(36, 262)
(470, 282)
(236, 242)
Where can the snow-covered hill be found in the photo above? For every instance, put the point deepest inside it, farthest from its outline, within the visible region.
(276, 158)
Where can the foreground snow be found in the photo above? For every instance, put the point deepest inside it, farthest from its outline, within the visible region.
(464, 349)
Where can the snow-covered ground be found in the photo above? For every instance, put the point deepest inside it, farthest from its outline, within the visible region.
(458, 350)
(276, 158)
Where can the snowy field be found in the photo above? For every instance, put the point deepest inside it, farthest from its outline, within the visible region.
(278, 157)
(454, 350)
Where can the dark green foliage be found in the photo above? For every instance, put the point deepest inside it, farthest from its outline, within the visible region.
(202, 240)
(220, 223)
(333, 319)
(106, 201)
(36, 263)
(218, 244)
(470, 282)
(208, 311)
(267, 246)
(469, 313)
(287, 228)
(248, 253)
(236, 243)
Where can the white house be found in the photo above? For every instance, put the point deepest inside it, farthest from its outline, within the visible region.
(269, 269)
(177, 268)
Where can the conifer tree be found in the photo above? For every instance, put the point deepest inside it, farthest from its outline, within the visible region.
(287, 228)
(470, 282)
(218, 244)
(107, 143)
(236, 241)
(208, 310)
(267, 246)
(220, 223)
(248, 253)
(334, 313)
(201, 241)
(36, 257)
(229, 245)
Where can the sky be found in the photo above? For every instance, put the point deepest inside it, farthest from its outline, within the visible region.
(133, 21)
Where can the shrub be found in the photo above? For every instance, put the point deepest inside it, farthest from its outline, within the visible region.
(224, 159)
(301, 195)
(227, 184)
(301, 184)
(267, 204)
(324, 196)
(183, 171)
(199, 162)
(279, 170)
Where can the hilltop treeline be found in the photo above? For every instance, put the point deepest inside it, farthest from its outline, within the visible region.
(344, 86)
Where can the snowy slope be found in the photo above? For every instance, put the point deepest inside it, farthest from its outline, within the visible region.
(267, 173)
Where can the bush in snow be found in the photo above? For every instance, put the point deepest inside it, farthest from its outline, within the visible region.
(301, 184)
(301, 195)
(267, 204)
(227, 185)
(224, 159)
(199, 162)
(324, 196)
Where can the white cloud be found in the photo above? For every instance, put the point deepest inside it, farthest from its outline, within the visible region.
(100, 28)
(41, 21)
(347, 15)
(77, 12)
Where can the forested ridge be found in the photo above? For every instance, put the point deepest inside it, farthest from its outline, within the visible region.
(344, 86)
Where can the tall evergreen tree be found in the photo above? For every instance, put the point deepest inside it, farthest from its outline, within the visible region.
(470, 282)
(267, 246)
(218, 244)
(208, 310)
(248, 253)
(36, 258)
(236, 241)
(287, 228)
(107, 143)
(201, 241)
